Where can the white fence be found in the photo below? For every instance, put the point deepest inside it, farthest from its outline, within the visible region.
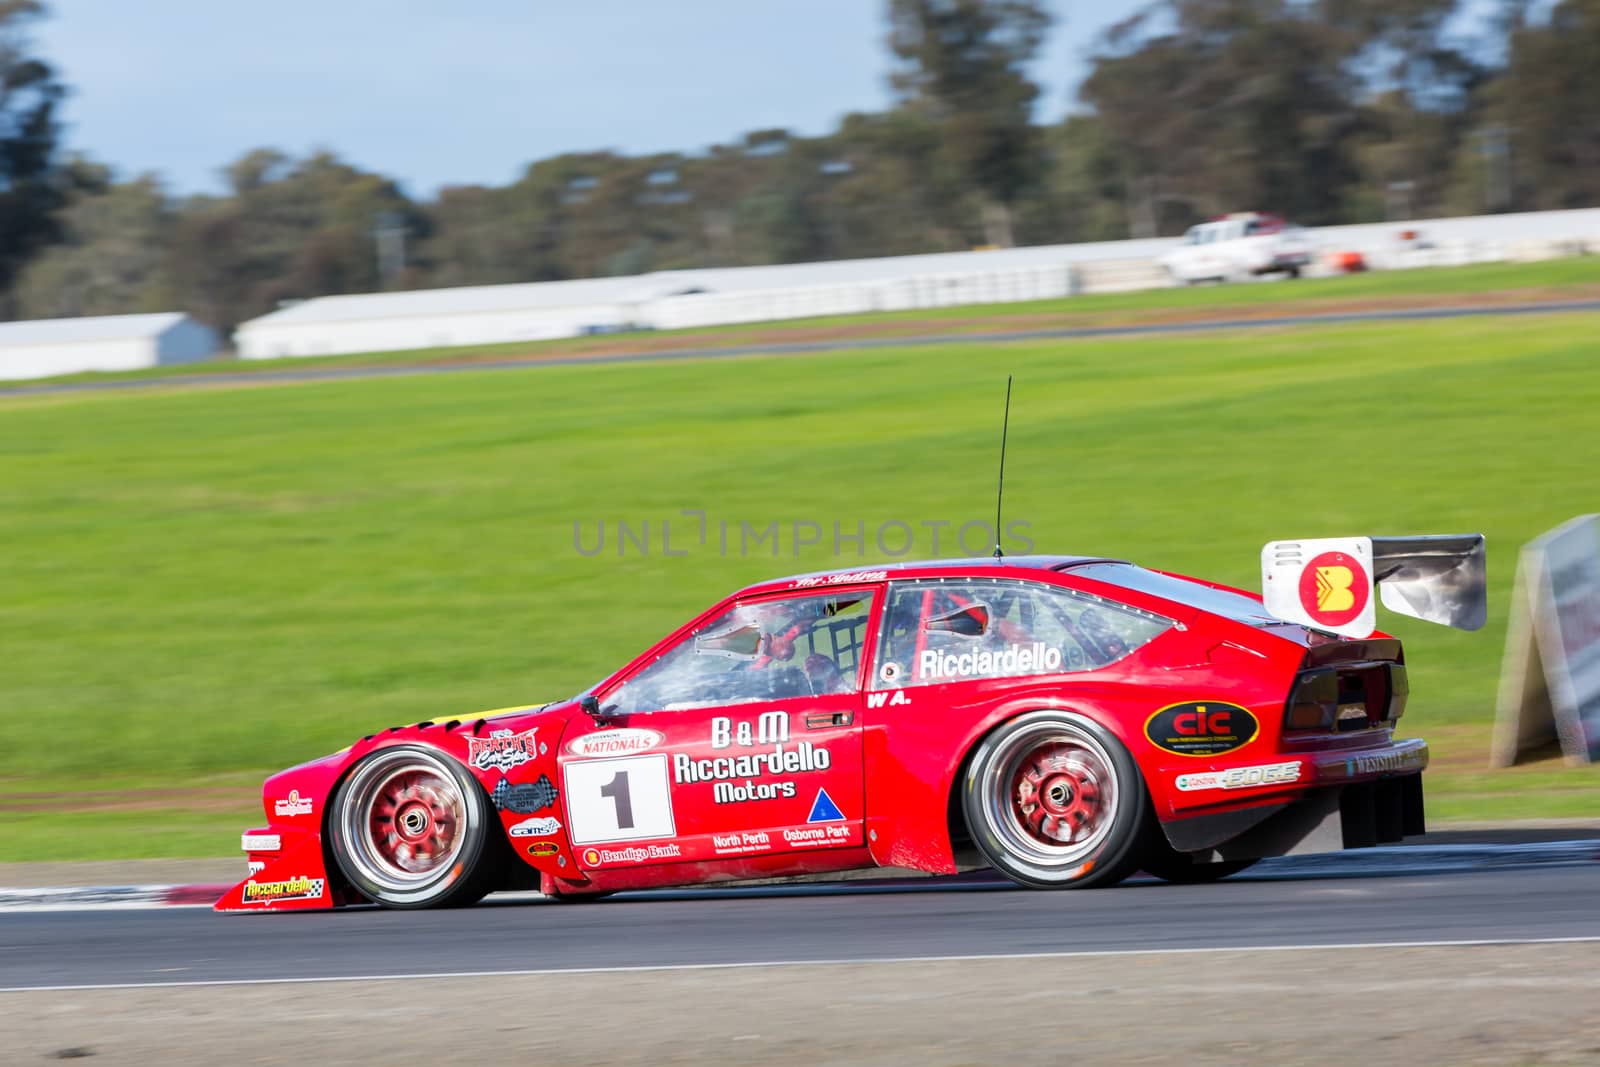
(686, 299)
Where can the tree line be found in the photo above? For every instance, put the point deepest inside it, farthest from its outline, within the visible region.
(1327, 111)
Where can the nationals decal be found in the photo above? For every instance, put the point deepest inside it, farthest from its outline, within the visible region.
(1196, 728)
(623, 742)
(502, 750)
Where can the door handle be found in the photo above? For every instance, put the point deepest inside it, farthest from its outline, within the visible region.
(825, 720)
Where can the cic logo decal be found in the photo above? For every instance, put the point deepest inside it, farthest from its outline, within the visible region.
(1334, 589)
(1201, 728)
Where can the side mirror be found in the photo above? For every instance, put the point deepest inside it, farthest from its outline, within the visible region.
(591, 707)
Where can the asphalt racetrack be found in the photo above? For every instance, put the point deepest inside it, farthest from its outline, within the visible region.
(1425, 955)
(1341, 901)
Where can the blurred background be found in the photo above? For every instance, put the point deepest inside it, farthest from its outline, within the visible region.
(200, 584)
(175, 156)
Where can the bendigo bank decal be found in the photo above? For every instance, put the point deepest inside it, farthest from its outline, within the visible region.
(1196, 728)
(772, 728)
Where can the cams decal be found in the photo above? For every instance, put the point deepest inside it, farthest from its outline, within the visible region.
(615, 742)
(1240, 777)
(1201, 729)
(535, 827)
(1035, 658)
(524, 798)
(502, 750)
(293, 804)
(599, 857)
(289, 889)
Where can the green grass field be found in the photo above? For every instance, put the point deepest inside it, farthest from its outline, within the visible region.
(1456, 286)
(204, 585)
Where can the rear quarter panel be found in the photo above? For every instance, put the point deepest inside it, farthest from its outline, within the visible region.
(916, 745)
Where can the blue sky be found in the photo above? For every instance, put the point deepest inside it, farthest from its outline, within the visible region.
(437, 93)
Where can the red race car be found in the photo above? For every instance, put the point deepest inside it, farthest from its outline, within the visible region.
(1064, 720)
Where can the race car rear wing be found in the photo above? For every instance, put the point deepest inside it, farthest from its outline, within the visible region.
(1326, 583)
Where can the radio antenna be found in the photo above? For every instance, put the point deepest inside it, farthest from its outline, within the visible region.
(1005, 426)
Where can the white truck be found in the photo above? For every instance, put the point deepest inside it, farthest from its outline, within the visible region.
(1239, 246)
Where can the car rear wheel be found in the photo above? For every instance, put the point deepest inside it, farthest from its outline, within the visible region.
(1054, 801)
(411, 828)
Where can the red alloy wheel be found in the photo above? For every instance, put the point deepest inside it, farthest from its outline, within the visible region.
(1048, 797)
(1058, 794)
(416, 818)
(402, 824)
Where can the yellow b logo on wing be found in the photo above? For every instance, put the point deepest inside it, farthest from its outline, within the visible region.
(1333, 589)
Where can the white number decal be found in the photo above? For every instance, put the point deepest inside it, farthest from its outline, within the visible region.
(624, 799)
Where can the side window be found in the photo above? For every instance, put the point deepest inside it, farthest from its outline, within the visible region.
(937, 632)
(764, 650)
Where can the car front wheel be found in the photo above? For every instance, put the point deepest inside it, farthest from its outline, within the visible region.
(1054, 801)
(411, 828)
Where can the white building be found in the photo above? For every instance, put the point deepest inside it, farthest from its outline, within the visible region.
(440, 318)
(43, 348)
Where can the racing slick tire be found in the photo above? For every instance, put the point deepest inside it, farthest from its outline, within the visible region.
(1054, 801)
(1170, 865)
(411, 828)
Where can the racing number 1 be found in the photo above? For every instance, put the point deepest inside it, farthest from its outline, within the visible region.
(617, 790)
(625, 798)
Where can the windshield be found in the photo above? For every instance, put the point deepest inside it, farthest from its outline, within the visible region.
(807, 645)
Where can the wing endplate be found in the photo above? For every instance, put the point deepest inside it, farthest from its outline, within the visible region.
(1326, 583)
